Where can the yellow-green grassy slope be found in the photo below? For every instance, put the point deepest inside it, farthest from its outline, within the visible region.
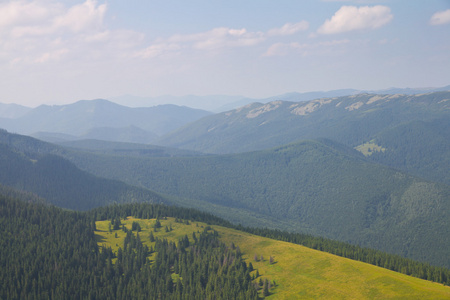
(299, 272)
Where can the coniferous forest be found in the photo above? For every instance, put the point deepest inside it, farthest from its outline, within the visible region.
(51, 253)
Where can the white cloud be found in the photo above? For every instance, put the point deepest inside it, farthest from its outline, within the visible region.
(51, 56)
(21, 13)
(349, 18)
(158, 50)
(289, 28)
(85, 16)
(44, 31)
(21, 18)
(282, 49)
(41, 31)
(440, 18)
(221, 37)
(218, 38)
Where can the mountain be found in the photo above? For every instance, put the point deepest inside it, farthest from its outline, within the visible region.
(319, 187)
(413, 131)
(127, 134)
(222, 103)
(350, 120)
(11, 111)
(102, 118)
(59, 181)
(412, 91)
(208, 103)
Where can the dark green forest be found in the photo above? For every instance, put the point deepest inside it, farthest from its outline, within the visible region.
(318, 187)
(62, 183)
(418, 147)
(49, 253)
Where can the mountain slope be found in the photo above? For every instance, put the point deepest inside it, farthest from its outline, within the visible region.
(128, 149)
(417, 147)
(51, 253)
(351, 120)
(318, 187)
(12, 111)
(60, 182)
(299, 272)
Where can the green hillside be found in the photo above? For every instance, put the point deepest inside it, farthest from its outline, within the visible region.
(60, 182)
(298, 272)
(51, 253)
(317, 187)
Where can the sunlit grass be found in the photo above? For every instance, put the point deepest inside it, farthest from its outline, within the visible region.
(369, 148)
(299, 272)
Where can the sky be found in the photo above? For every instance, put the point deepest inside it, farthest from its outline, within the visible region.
(59, 52)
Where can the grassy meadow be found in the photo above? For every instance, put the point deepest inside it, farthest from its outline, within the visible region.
(299, 272)
(368, 148)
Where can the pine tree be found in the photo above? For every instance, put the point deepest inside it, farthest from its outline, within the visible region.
(266, 288)
(151, 237)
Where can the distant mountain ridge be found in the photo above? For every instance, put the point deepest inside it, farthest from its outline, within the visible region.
(102, 119)
(221, 103)
(11, 111)
(350, 120)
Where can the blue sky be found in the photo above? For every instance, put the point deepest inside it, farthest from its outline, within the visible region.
(57, 52)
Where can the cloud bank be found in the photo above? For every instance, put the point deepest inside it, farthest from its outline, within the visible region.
(36, 32)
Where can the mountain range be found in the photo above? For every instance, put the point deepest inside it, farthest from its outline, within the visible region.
(409, 132)
(221, 103)
(319, 187)
(367, 169)
(101, 119)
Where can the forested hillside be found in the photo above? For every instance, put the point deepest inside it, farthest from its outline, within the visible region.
(62, 183)
(128, 149)
(417, 147)
(50, 253)
(318, 187)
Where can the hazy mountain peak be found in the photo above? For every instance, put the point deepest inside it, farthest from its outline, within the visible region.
(12, 110)
(81, 117)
